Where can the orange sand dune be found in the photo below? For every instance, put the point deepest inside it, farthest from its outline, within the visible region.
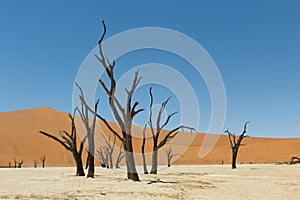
(19, 137)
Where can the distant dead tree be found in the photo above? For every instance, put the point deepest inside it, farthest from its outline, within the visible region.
(295, 160)
(9, 164)
(43, 159)
(235, 143)
(90, 126)
(15, 162)
(143, 151)
(110, 149)
(119, 157)
(18, 164)
(159, 127)
(35, 163)
(102, 157)
(123, 115)
(170, 155)
(105, 153)
(69, 142)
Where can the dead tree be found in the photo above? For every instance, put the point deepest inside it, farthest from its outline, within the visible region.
(143, 151)
(35, 163)
(295, 160)
(110, 149)
(119, 157)
(20, 163)
(90, 126)
(101, 156)
(69, 142)
(235, 143)
(159, 127)
(43, 159)
(123, 115)
(170, 155)
(9, 164)
(106, 153)
(15, 162)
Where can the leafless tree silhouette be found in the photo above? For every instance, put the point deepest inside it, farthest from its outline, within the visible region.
(103, 158)
(90, 126)
(9, 164)
(69, 142)
(18, 164)
(159, 127)
(143, 151)
(35, 163)
(170, 155)
(15, 162)
(235, 143)
(43, 159)
(119, 157)
(110, 149)
(295, 160)
(104, 154)
(123, 115)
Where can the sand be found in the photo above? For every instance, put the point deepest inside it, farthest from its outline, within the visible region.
(186, 179)
(254, 181)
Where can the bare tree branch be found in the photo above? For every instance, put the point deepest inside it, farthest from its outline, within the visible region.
(56, 139)
(151, 112)
(161, 110)
(168, 119)
(99, 116)
(143, 150)
(171, 134)
(236, 144)
(170, 155)
(124, 116)
(69, 142)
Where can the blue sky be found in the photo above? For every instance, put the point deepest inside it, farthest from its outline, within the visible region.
(255, 45)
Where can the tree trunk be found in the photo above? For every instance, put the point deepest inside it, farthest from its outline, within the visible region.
(130, 163)
(143, 155)
(111, 161)
(79, 165)
(117, 163)
(119, 158)
(154, 161)
(144, 164)
(91, 162)
(91, 165)
(234, 156)
(169, 162)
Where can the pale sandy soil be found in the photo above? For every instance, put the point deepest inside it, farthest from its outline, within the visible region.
(178, 182)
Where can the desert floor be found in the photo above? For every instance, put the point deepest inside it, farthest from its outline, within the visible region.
(265, 181)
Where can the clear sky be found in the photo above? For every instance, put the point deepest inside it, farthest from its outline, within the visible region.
(255, 44)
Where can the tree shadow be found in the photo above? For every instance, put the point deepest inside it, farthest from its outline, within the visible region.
(160, 181)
